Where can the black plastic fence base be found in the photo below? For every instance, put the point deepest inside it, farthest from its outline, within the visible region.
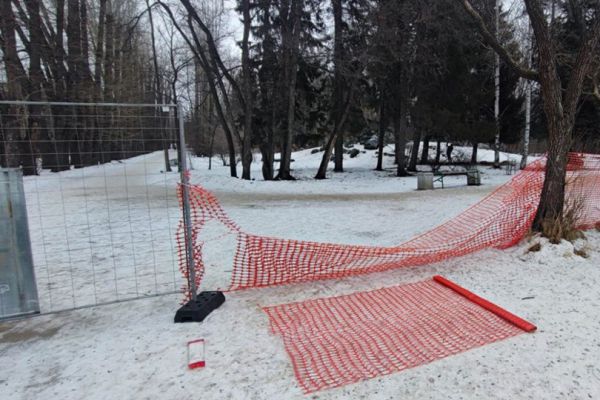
(196, 311)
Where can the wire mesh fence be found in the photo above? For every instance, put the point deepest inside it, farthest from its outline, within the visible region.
(100, 189)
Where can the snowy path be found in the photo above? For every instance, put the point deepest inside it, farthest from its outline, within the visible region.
(134, 351)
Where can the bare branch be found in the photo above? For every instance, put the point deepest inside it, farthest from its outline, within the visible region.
(212, 50)
(583, 63)
(490, 38)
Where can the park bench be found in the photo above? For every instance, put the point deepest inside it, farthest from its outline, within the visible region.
(472, 174)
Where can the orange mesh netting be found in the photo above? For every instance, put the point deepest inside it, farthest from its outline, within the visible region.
(499, 220)
(340, 340)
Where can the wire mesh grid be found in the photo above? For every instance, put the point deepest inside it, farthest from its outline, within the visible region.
(100, 188)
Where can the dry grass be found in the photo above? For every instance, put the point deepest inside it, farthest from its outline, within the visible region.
(566, 226)
(534, 247)
(581, 252)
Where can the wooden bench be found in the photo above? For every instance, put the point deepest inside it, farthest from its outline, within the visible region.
(472, 174)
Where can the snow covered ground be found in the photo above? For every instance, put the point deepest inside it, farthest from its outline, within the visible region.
(103, 233)
(133, 349)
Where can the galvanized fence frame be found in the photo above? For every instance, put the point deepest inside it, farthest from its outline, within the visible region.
(148, 197)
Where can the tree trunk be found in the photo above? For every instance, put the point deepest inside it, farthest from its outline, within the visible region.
(528, 88)
(267, 77)
(525, 150)
(74, 81)
(84, 61)
(474, 153)
(36, 78)
(290, 43)
(381, 132)
(400, 128)
(158, 94)
(396, 140)
(16, 79)
(322, 172)
(425, 151)
(497, 90)
(552, 199)
(99, 54)
(338, 59)
(109, 32)
(339, 153)
(414, 154)
(438, 151)
(60, 84)
(247, 89)
(87, 144)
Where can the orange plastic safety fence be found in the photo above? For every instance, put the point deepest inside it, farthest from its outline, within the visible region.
(340, 340)
(499, 220)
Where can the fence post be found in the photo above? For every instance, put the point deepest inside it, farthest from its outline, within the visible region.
(185, 204)
(18, 290)
(199, 305)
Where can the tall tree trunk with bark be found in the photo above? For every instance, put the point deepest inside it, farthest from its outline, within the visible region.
(425, 150)
(528, 89)
(401, 126)
(414, 154)
(99, 53)
(74, 80)
(109, 35)
(267, 78)
(290, 42)
(60, 90)
(474, 152)
(337, 99)
(89, 136)
(381, 131)
(14, 130)
(247, 89)
(497, 89)
(158, 93)
(36, 79)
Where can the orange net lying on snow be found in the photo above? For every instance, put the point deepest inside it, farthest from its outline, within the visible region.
(340, 340)
(499, 220)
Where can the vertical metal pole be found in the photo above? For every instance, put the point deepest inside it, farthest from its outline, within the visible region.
(185, 202)
(18, 289)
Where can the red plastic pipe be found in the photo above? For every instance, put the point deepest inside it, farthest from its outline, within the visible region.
(491, 307)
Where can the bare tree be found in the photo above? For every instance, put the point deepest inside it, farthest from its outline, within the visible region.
(203, 45)
(13, 127)
(560, 99)
(247, 91)
(290, 13)
(338, 110)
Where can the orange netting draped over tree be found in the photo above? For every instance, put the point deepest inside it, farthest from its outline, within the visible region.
(499, 220)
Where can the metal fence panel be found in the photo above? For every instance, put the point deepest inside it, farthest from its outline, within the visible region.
(101, 201)
(18, 291)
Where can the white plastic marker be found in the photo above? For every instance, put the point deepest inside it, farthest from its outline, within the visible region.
(196, 354)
